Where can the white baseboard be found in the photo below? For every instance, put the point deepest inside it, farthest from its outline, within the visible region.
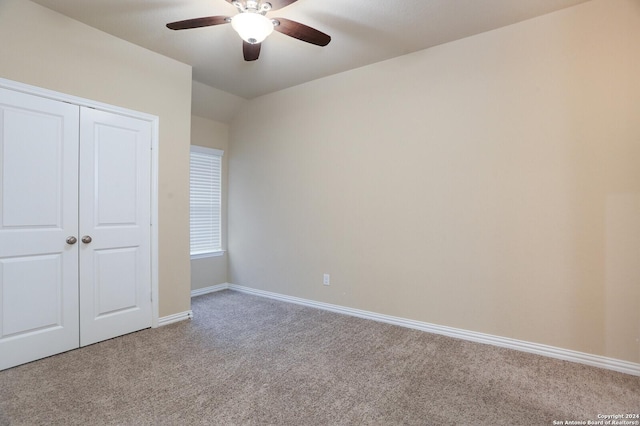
(169, 319)
(473, 336)
(210, 289)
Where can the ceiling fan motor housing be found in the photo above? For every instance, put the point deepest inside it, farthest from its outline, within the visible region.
(252, 6)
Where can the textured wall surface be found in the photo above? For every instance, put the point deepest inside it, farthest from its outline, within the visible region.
(490, 184)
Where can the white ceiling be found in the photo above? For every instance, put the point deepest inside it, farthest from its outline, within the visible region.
(362, 31)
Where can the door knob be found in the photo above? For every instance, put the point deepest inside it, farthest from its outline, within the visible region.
(86, 239)
(72, 240)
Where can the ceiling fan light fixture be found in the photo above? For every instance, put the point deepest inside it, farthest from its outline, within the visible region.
(253, 27)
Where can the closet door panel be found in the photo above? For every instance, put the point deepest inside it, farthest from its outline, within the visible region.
(115, 188)
(38, 212)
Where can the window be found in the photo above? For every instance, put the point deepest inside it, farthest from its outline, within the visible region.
(205, 201)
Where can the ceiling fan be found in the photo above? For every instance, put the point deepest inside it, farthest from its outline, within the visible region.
(253, 26)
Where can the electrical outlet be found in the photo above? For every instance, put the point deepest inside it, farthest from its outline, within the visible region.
(326, 279)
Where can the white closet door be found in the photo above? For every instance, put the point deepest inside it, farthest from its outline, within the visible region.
(38, 212)
(115, 188)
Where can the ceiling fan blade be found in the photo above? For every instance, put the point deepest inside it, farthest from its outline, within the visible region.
(302, 32)
(279, 4)
(198, 22)
(251, 51)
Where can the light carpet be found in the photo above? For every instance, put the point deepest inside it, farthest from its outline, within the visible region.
(246, 360)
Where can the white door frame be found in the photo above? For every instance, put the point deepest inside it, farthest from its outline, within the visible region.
(154, 120)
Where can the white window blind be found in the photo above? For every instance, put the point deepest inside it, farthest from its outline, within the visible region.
(205, 200)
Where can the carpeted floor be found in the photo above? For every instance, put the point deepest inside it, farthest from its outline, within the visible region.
(255, 361)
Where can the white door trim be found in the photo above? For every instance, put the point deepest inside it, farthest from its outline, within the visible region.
(154, 120)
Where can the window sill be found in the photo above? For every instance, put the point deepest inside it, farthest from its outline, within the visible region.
(208, 254)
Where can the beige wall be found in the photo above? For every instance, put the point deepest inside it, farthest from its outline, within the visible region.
(49, 50)
(211, 271)
(490, 184)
